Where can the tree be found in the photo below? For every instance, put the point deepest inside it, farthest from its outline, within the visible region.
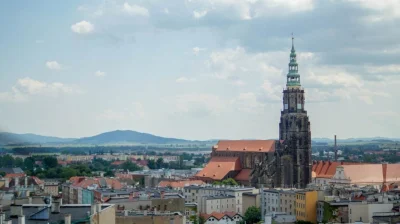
(50, 162)
(252, 215)
(202, 220)
(29, 163)
(2, 174)
(159, 163)
(18, 162)
(151, 164)
(128, 165)
(230, 182)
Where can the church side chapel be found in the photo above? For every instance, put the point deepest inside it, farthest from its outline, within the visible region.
(273, 163)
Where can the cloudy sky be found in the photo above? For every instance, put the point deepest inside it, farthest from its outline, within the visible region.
(197, 69)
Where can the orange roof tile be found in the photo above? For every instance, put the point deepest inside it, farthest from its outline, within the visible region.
(327, 169)
(246, 145)
(179, 183)
(218, 167)
(364, 173)
(13, 175)
(244, 175)
(218, 215)
(392, 173)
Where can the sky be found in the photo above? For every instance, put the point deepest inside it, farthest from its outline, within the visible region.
(197, 69)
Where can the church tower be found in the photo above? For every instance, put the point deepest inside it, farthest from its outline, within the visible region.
(294, 162)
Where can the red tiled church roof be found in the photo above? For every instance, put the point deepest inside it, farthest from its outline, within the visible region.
(246, 145)
(244, 175)
(219, 167)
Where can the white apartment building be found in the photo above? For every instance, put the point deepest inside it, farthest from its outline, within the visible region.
(218, 203)
(194, 194)
(363, 212)
(271, 201)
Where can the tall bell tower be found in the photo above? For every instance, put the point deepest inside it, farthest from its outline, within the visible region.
(294, 162)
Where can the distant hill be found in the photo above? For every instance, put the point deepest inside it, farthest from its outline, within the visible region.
(7, 138)
(127, 136)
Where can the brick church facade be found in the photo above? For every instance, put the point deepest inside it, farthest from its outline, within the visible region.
(273, 163)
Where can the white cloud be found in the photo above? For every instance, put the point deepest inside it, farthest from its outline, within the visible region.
(393, 68)
(238, 82)
(246, 10)
(53, 65)
(166, 10)
(247, 102)
(196, 50)
(334, 77)
(26, 87)
(135, 10)
(100, 73)
(136, 111)
(199, 14)
(185, 80)
(83, 27)
(384, 10)
(199, 105)
(112, 115)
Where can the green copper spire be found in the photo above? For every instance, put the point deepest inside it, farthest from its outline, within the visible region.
(293, 77)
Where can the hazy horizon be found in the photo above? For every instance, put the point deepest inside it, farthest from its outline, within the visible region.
(197, 69)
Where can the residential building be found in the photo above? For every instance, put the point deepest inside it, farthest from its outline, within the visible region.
(57, 213)
(306, 206)
(364, 212)
(271, 200)
(222, 218)
(195, 194)
(51, 188)
(218, 203)
(179, 184)
(249, 200)
(139, 201)
(287, 201)
(145, 217)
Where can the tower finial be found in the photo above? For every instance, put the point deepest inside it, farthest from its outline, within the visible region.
(292, 41)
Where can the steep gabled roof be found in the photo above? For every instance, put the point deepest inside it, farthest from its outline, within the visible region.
(218, 167)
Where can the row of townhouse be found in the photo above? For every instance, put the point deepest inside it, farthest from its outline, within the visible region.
(217, 198)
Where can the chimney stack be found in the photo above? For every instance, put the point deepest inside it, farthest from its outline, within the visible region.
(67, 219)
(2, 217)
(93, 209)
(131, 196)
(21, 219)
(55, 207)
(98, 206)
(335, 150)
(6, 182)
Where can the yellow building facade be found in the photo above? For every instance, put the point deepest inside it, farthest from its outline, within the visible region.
(306, 206)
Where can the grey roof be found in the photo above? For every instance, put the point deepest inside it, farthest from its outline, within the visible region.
(78, 212)
(11, 170)
(219, 196)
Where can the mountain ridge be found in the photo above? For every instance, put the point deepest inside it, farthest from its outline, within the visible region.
(130, 136)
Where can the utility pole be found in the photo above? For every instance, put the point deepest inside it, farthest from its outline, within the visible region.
(262, 202)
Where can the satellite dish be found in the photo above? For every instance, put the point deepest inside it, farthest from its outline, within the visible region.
(46, 200)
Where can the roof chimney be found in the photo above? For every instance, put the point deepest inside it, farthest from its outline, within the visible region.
(6, 182)
(21, 219)
(67, 219)
(55, 207)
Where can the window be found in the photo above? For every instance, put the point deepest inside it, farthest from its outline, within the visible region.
(350, 212)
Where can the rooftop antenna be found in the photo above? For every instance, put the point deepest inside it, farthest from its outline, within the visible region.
(335, 149)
